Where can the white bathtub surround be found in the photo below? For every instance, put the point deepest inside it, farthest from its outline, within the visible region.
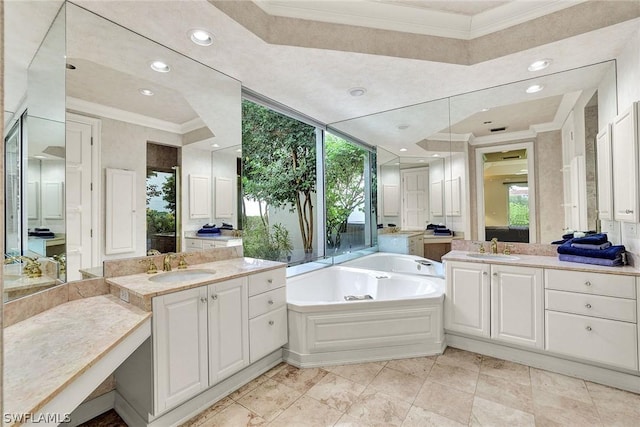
(395, 263)
(402, 319)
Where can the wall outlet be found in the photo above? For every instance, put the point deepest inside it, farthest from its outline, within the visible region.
(124, 295)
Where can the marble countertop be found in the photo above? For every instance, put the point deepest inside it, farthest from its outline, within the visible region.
(45, 353)
(406, 233)
(93, 271)
(140, 286)
(543, 262)
(221, 237)
(22, 282)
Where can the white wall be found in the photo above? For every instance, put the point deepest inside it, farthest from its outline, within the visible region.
(224, 165)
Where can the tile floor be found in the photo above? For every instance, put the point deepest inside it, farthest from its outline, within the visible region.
(458, 388)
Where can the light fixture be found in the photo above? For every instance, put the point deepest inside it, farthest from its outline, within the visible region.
(201, 37)
(403, 127)
(421, 160)
(215, 145)
(534, 88)
(541, 64)
(146, 92)
(357, 91)
(403, 149)
(524, 170)
(40, 157)
(436, 155)
(160, 66)
(484, 110)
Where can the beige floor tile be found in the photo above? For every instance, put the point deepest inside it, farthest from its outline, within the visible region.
(299, 379)
(418, 417)
(446, 401)
(271, 372)
(336, 392)
(377, 408)
(488, 413)
(557, 410)
(199, 419)
(307, 412)
(234, 415)
(504, 369)
(349, 421)
(559, 384)
(453, 376)
(361, 373)
(248, 387)
(460, 358)
(505, 392)
(269, 399)
(615, 407)
(398, 384)
(419, 366)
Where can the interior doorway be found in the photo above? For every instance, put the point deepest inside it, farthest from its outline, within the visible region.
(162, 198)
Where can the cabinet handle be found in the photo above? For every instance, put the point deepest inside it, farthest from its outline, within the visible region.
(495, 274)
(587, 283)
(203, 299)
(270, 302)
(628, 211)
(271, 322)
(484, 273)
(214, 297)
(269, 281)
(588, 328)
(587, 305)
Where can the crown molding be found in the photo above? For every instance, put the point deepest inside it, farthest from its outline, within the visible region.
(192, 125)
(403, 18)
(503, 137)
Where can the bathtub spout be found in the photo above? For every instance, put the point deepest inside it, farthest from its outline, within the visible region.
(357, 297)
(423, 262)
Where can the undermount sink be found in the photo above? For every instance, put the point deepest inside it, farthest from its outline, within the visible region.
(501, 257)
(182, 275)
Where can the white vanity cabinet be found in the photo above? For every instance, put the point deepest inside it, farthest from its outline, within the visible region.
(410, 243)
(193, 244)
(624, 148)
(267, 312)
(592, 316)
(502, 302)
(200, 336)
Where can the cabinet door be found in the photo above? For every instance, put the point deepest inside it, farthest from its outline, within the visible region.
(605, 190)
(517, 307)
(625, 165)
(467, 299)
(120, 225)
(268, 333)
(435, 199)
(228, 328)
(179, 347)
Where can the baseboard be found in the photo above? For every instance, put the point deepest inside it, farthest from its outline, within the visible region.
(346, 357)
(92, 408)
(199, 403)
(572, 368)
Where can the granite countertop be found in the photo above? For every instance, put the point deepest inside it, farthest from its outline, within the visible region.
(542, 262)
(139, 285)
(45, 353)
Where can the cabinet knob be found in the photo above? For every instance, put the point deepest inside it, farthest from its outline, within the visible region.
(204, 300)
(587, 283)
(214, 297)
(484, 273)
(587, 305)
(269, 281)
(588, 328)
(270, 302)
(495, 274)
(271, 322)
(628, 211)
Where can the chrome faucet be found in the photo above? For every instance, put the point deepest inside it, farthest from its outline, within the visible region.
(166, 263)
(494, 245)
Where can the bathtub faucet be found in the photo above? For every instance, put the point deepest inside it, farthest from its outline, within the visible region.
(423, 262)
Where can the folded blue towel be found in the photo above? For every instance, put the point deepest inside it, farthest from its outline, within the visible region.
(559, 242)
(212, 230)
(592, 247)
(591, 239)
(594, 261)
(611, 252)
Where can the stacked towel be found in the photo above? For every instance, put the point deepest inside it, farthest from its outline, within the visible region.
(592, 249)
(208, 230)
(442, 232)
(43, 233)
(591, 239)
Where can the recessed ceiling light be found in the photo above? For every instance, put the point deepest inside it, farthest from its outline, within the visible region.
(146, 92)
(397, 163)
(539, 65)
(357, 91)
(534, 88)
(70, 66)
(160, 67)
(523, 170)
(40, 157)
(487, 122)
(484, 110)
(403, 127)
(201, 37)
(215, 145)
(436, 155)
(421, 160)
(403, 149)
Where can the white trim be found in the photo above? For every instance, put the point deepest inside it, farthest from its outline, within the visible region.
(503, 137)
(92, 408)
(408, 19)
(549, 362)
(192, 125)
(531, 178)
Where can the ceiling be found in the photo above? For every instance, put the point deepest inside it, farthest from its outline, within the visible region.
(315, 82)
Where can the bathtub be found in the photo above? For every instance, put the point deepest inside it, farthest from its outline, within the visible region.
(397, 263)
(385, 315)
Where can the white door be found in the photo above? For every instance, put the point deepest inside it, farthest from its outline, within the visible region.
(435, 199)
(603, 151)
(517, 307)
(179, 347)
(228, 328)
(79, 232)
(467, 299)
(414, 198)
(120, 217)
(625, 165)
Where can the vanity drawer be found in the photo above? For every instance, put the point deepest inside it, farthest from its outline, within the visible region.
(591, 305)
(209, 244)
(266, 281)
(599, 340)
(266, 302)
(267, 333)
(612, 285)
(193, 243)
